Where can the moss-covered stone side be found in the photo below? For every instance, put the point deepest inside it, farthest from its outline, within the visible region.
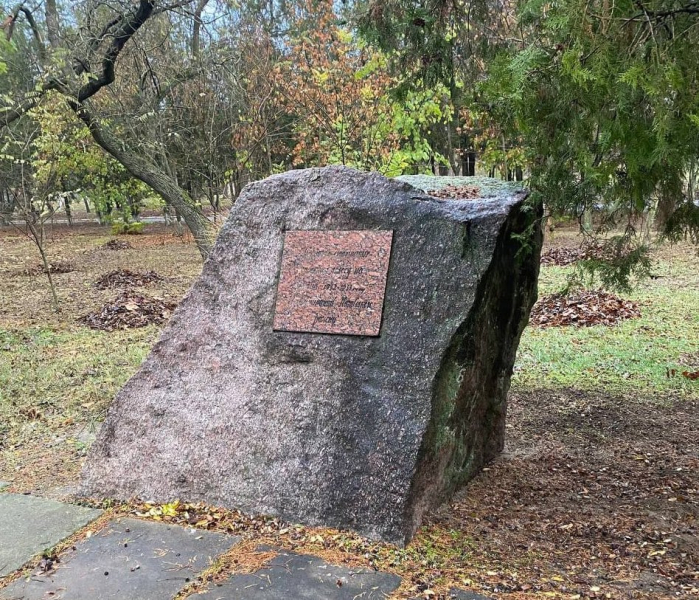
(470, 391)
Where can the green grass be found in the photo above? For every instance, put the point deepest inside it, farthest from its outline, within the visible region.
(74, 372)
(49, 376)
(631, 358)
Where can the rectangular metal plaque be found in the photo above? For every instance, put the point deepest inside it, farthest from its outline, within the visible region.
(333, 282)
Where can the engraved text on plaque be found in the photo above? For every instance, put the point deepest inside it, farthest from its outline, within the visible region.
(333, 282)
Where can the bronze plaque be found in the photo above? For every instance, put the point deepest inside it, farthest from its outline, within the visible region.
(333, 282)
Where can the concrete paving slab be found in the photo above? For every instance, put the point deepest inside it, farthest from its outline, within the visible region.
(290, 576)
(127, 560)
(30, 525)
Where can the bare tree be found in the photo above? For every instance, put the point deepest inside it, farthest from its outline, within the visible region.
(32, 201)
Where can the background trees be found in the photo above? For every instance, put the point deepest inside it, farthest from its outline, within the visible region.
(593, 103)
(597, 101)
(606, 95)
(77, 49)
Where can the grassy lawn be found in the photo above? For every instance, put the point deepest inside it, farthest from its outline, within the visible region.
(633, 357)
(63, 376)
(57, 377)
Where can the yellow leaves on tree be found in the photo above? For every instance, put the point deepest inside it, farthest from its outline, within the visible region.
(336, 92)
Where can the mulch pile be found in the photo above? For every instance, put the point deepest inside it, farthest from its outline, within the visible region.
(583, 309)
(457, 192)
(116, 245)
(562, 257)
(124, 278)
(54, 267)
(129, 310)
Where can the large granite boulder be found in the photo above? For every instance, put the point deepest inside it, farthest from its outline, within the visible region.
(364, 432)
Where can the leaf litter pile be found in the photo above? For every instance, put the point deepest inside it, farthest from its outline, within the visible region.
(583, 309)
(457, 192)
(129, 310)
(116, 245)
(124, 278)
(63, 266)
(564, 256)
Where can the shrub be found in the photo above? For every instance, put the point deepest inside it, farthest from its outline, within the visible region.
(120, 227)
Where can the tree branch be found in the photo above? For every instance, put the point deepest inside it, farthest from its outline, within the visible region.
(9, 114)
(10, 24)
(691, 8)
(122, 30)
(151, 175)
(128, 26)
(97, 40)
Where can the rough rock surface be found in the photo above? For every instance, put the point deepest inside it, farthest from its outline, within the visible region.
(365, 433)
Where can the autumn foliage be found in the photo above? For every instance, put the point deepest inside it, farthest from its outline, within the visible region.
(325, 97)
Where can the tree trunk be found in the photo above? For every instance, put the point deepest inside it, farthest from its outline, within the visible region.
(69, 212)
(7, 205)
(196, 27)
(469, 164)
(52, 24)
(450, 152)
(649, 216)
(37, 236)
(201, 228)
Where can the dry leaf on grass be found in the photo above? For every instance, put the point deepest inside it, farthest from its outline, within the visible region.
(582, 309)
(126, 278)
(129, 310)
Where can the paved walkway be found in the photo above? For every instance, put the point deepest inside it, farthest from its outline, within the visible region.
(142, 560)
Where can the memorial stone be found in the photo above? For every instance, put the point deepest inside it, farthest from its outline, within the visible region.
(343, 359)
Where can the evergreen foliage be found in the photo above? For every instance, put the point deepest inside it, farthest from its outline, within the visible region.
(602, 98)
